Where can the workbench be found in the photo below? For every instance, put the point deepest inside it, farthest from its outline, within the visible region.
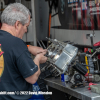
(80, 93)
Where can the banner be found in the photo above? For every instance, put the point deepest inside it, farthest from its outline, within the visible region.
(79, 14)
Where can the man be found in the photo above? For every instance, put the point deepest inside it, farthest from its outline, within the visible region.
(17, 69)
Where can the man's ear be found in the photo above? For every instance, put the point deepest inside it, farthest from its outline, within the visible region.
(17, 25)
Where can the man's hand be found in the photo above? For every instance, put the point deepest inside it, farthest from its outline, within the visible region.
(41, 58)
(36, 50)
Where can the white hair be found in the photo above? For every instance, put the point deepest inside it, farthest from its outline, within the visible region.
(15, 12)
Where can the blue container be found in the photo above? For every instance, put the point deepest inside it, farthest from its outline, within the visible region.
(36, 96)
(62, 78)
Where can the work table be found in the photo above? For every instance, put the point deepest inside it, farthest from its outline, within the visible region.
(80, 93)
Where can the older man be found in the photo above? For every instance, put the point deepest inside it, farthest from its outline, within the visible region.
(18, 71)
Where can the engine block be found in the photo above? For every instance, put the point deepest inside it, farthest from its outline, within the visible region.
(60, 55)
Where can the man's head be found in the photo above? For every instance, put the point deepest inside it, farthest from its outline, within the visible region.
(16, 16)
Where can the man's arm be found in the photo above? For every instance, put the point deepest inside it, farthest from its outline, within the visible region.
(40, 58)
(35, 50)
